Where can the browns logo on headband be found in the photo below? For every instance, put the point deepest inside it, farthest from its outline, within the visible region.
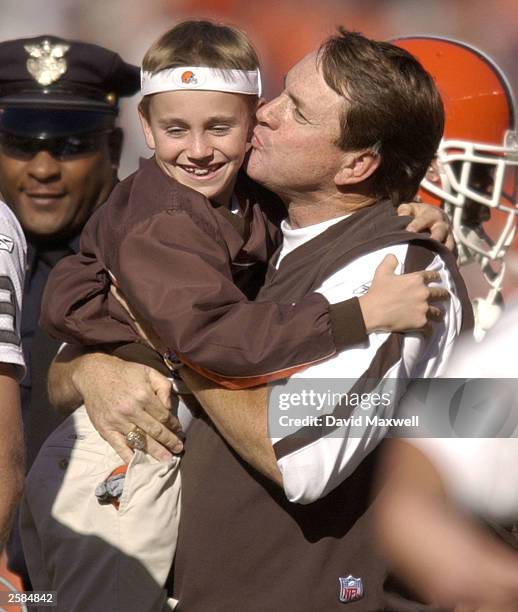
(246, 82)
(188, 77)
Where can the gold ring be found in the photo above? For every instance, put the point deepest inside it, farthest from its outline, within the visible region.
(136, 439)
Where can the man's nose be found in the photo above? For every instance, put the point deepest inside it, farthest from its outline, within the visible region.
(199, 148)
(43, 167)
(268, 114)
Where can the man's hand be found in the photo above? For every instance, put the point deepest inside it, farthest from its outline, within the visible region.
(401, 302)
(428, 218)
(120, 395)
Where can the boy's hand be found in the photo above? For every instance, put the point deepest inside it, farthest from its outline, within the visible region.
(120, 395)
(399, 303)
(429, 218)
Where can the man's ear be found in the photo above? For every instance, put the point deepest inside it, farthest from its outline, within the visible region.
(146, 128)
(358, 166)
(432, 174)
(115, 140)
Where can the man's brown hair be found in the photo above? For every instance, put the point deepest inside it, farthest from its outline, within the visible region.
(200, 43)
(392, 108)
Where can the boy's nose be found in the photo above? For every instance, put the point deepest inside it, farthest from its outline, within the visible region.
(199, 149)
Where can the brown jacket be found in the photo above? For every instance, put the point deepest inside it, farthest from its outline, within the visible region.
(177, 259)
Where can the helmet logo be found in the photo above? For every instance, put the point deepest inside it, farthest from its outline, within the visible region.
(46, 63)
(188, 78)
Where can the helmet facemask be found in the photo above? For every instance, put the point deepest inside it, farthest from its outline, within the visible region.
(477, 185)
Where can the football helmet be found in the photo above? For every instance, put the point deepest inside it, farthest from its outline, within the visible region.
(475, 171)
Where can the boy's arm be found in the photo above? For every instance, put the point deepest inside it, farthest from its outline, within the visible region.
(193, 305)
(77, 306)
(176, 275)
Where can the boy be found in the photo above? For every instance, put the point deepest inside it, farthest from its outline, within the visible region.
(201, 85)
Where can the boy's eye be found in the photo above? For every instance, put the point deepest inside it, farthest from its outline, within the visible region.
(219, 129)
(176, 131)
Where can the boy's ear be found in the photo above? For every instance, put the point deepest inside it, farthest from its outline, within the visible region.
(146, 128)
(357, 167)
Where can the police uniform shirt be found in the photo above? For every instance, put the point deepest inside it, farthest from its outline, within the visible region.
(12, 265)
(38, 347)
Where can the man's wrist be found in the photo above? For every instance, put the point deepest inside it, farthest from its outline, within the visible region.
(87, 366)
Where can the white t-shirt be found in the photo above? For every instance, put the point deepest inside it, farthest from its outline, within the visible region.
(13, 251)
(316, 466)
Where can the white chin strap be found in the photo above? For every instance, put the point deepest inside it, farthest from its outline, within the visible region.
(487, 311)
(201, 78)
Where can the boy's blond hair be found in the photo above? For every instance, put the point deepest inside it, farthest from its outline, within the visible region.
(199, 43)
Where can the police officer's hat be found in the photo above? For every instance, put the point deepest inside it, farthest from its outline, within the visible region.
(50, 87)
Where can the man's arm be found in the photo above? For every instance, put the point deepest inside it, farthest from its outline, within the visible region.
(11, 449)
(241, 417)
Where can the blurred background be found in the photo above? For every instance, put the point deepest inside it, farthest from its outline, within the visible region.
(282, 30)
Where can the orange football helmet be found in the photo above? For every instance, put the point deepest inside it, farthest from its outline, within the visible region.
(475, 171)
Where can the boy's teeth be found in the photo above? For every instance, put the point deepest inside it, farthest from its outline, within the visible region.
(199, 171)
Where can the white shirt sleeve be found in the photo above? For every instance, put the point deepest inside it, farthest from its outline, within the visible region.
(371, 378)
(13, 251)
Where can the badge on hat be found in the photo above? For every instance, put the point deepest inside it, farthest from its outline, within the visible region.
(351, 589)
(47, 62)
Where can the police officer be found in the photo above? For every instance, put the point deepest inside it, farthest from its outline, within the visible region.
(59, 155)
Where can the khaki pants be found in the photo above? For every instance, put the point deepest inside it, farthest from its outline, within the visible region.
(97, 557)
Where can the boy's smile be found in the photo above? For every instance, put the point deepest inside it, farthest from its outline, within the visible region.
(200, 138)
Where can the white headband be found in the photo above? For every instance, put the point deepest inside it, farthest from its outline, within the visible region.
(202, 78)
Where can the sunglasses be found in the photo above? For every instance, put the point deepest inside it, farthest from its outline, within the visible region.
(62, 148)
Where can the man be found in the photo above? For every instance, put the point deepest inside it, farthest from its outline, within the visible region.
(59, 154)
(334, 147)
(290, 555)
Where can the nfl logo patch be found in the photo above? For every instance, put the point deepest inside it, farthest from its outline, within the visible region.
(351, 589)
